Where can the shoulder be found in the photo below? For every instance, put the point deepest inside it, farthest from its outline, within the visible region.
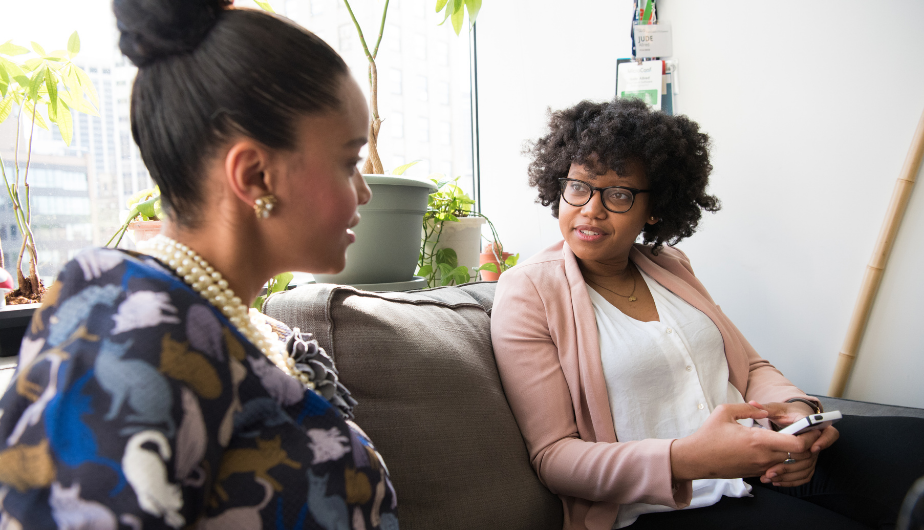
(539, 281)
(546, 263)
(115, 295)
(545, 268)
(670, 258)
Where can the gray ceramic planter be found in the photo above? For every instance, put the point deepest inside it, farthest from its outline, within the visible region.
(388, 236)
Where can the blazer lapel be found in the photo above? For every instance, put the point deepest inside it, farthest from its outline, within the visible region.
(588, 343)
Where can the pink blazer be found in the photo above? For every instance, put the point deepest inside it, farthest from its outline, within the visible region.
(548, 355)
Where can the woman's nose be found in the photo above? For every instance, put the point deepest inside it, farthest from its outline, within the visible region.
(363, 192)
(594, 207)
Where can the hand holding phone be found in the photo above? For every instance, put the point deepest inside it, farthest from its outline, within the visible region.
(812, 422)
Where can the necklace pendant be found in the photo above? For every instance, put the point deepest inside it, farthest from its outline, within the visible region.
(632, 298)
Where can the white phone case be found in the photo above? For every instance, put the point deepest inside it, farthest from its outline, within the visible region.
(813, 422)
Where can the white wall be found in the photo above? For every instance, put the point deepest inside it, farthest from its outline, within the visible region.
(811, 114)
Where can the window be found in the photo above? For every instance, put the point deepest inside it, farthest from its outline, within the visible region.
(423, 129)
(441, 92)
(347, 37)
(394, 35)
(421, 86)
(394, 81)
(80, 191)
(420, 47)
(444, 133)
(394, 125)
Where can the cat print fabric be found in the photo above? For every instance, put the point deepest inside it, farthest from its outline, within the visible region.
(136, 404)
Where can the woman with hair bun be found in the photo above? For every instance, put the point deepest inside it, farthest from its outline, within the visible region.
(147, 395)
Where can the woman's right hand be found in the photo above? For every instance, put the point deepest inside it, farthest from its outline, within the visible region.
(723, 448)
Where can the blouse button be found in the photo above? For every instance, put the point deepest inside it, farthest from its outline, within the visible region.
(700, 406)
(669, 330)
(689, 368)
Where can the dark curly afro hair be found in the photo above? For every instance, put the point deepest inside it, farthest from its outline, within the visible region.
(615, 134)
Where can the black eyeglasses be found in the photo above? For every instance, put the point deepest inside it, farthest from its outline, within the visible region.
(617, 199)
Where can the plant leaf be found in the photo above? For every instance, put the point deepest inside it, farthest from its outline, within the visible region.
(440, 4)
(447, 256)
(446, 13)
(401, 169)
(73, 45)
(10, 49)
(38, 49)
(87, 85)
(425, 271)
(76, 102)
(490, 267)
(512, 260)
(35, 83)
(264, 6)
(32, 64)
(32, 112)
(52, 85)
(146, 208)
(6, 106)
(281, 282)
(473, 7)
(458, 15)
(12, 68)
(258, 302)
(65, 122)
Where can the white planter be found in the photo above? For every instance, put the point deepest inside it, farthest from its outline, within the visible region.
(465, 238)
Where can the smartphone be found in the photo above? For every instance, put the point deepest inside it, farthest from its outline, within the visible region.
(812, 422)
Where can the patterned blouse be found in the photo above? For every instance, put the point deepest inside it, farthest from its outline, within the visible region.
(137, 404)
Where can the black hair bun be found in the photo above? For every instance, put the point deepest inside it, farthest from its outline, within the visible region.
(155, 29)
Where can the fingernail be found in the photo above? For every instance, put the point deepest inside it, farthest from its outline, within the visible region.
(771, 475)
(777, 484)
(764, 480)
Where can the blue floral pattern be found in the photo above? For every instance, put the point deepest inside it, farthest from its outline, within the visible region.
(137, 404)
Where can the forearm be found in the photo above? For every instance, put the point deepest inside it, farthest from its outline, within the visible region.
(620, 473)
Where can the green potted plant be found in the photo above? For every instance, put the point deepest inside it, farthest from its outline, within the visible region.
(493, 261)
(143, 219)
(388, 238)
(30, 82)
(449, 249)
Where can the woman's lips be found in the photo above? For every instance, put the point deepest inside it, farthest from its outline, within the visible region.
(588, 233)
(351, 235)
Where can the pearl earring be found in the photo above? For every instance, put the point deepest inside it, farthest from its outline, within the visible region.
(263, 206)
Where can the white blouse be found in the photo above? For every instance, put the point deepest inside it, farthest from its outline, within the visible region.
(664, 379)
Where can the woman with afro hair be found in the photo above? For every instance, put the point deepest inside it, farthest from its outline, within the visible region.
(637, 397)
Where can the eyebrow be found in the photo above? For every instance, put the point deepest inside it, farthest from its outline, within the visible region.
(356, 142)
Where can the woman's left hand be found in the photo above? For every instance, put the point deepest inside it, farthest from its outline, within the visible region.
(800, 472)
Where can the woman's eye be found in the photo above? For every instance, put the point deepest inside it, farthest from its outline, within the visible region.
(620, 196)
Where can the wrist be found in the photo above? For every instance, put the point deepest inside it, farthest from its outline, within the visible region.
(682, 467)
(814, 406)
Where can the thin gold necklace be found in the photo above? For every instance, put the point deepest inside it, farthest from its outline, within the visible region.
(631, 295)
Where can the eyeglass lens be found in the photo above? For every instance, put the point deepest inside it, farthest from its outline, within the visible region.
(578, 194)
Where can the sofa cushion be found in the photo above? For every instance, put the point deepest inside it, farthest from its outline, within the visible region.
(422, 368)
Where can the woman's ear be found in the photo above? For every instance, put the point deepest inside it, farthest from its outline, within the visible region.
(653, 220)
(247, 170)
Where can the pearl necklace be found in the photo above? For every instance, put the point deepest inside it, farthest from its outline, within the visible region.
(208, 282)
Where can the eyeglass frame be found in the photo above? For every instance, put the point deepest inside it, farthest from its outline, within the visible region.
(633, 191)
